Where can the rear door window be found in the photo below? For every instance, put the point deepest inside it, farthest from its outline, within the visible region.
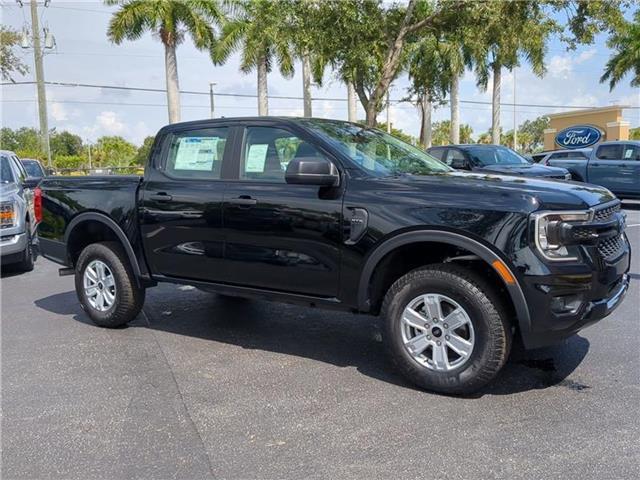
(438, 153)
(197, 153)
(609, 152)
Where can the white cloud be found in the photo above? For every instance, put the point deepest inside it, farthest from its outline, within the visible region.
(109, 123)
(58, 112)
(560, 67)
(586, 55)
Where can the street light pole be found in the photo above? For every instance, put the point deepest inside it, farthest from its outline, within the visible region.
(211, 85)
(42, 94)
(515, 125)
(388, 117)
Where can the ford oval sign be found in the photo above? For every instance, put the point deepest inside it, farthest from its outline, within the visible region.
(580, 136)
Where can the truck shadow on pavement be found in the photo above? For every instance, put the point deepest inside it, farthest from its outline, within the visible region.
(336, 338)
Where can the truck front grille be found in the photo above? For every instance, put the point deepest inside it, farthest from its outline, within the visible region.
(611, 248)
(604, 213)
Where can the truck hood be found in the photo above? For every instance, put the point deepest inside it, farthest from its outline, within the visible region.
(504, 193)
(526, 170)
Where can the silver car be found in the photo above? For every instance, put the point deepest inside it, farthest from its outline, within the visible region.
(20, 213)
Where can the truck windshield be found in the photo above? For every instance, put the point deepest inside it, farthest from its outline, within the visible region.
(495, 156)
(6, 175)
(33, 168)
(377, 152)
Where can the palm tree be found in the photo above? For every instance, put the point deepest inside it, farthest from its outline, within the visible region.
(626, 43)
(260, 31)
(516, 29)
(170, 20)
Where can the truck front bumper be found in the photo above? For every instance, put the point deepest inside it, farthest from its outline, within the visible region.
(12, 246)
(564, 299)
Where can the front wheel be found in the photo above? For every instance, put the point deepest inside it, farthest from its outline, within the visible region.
(27, 262)
(445, 329)
(106, 286)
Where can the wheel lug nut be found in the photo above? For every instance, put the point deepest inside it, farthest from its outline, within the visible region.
(446, 326)
(439, 343)
(446, 337)
(428, 337)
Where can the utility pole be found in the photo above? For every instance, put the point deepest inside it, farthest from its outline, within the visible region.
(211, 85)
(42, 94)
(515, 125)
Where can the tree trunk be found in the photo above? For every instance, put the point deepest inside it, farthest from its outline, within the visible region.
(306, 85)
(495, 104)
(351, 102)
(173, 87)
(371, 114)
(454, 102)
(425, 127)
(263, 101)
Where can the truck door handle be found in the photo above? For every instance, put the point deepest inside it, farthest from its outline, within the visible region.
(595, 164)
(243, 200)
(161, 197)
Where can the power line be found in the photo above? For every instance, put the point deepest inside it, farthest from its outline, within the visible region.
(282, 97)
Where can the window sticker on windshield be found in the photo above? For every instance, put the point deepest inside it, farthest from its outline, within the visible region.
(256, 158)
(196, 153)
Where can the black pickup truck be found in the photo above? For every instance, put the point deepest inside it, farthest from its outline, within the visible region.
(335, 215)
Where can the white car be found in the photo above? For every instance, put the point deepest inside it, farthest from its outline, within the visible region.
(20, 213)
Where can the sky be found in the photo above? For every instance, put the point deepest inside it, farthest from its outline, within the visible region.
(84, 55)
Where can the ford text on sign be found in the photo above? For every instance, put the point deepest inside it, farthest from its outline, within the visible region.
(580, 136)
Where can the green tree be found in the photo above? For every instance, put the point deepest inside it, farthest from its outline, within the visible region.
(65, 143)
(625, 41)
(9, 61)
(258, 28)
(634, 133)
(365, 40)
(144, 151)
(515, 30)
(441, 133)
(113, 151)
(170, 20)
(533, 131)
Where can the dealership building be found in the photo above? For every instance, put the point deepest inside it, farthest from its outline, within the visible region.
(570, 129)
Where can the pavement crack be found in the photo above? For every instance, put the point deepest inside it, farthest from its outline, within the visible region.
(180, 395)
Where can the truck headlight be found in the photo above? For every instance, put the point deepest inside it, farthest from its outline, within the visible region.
(7, 214)
(548, 232)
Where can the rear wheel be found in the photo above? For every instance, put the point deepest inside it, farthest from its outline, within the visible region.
(106, 286)
(445, 329)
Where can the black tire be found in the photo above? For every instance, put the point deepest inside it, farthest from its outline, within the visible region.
(129, 297)
(492, 331)
(28, 261)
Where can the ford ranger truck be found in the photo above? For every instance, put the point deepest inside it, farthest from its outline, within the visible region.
(613, 165)
(335, 215)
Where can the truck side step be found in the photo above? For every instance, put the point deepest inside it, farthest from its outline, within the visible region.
(63, 272)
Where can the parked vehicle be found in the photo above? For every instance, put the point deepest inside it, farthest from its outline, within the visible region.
(335, 215)
(33, 167)
(577, 153)
(20, 212)
(614, 165)
(494, 159)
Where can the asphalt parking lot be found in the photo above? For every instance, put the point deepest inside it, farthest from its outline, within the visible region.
(200, 386)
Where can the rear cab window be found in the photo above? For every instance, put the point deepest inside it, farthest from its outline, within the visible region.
(197, 154)
(631, 152)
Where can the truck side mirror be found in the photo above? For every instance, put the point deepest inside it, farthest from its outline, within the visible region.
(312, 171)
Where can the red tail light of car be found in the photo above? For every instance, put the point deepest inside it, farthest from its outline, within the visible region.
(37, 204)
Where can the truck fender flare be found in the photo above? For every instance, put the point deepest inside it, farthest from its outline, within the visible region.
(484, 252)
(122, 237)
